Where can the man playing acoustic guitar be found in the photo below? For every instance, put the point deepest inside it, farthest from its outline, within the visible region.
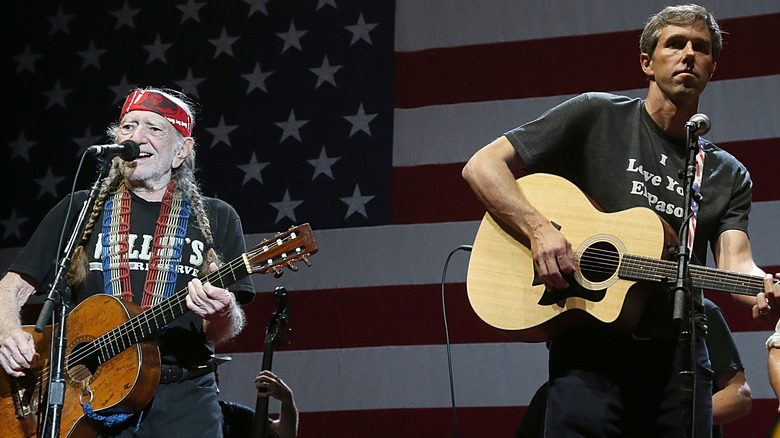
(150, 233)
(625, 153)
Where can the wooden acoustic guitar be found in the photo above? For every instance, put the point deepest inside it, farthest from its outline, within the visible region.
(274, 338)
(112, 360)
(618, 258)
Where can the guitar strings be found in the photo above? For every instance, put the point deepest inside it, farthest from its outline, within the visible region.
(634, 265)
(129, 327)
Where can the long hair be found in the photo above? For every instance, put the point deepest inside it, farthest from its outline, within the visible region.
(184, 175)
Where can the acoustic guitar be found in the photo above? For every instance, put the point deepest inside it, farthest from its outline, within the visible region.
(112, 360)
(619, 261)
(274, 337)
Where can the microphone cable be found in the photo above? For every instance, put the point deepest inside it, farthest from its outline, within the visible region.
(447, 333)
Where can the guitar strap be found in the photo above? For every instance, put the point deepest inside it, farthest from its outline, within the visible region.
(166, 252)
(697, 180)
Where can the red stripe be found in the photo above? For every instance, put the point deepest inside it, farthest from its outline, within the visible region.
(369, 317)
(757, 155)
(564, 65)
(473, 422)
(395, 423)
(438, 193)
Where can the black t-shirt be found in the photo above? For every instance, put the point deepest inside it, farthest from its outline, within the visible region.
(183, 341)
(612, 149)
(237, 420)
(724, 355)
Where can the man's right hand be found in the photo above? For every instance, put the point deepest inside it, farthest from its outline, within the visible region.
(17, 353)
(553, 256)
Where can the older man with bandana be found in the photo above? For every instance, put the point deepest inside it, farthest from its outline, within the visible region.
(150, 233)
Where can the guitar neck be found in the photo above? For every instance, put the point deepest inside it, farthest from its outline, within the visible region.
(664, 271)
(156, 317)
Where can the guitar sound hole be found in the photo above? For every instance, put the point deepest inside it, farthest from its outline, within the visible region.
(599, 262)
(82, 356)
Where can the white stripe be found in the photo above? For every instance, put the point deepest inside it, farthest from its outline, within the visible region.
(740, 109)
(415, 254)
(496, 374)
(425, 24)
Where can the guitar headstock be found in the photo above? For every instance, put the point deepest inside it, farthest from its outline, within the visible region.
(283, 250)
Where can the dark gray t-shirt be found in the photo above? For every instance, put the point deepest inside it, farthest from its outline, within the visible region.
(611, 148)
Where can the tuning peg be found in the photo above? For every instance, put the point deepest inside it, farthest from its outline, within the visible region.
(278, 273)
(292, 267)
(306, 261)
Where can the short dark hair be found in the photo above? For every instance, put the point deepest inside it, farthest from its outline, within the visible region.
(680, 15)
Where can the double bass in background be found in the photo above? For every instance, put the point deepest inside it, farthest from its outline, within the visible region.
(274, 338)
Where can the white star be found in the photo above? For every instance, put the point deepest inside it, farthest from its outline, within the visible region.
(286, 208)
(122, 89)
(323, 164)
(190, 84)
(322, 3)
(325, 72)
(360, 30)
(291, 126)
(252, 170)
(292, 38)
(223, 43)
(190, 10)
(360, 121)
(257, 6)
(157, 50)
(49, 183)
(12, 224)
(256, 79)
(220, 132)
(91, 56)
(59, 21)
(356, 203)
(86, 141)
(57, 95)
(21, 147)
(124, 16)
(26, 60)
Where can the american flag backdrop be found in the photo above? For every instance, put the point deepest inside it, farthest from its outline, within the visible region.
(357, 117)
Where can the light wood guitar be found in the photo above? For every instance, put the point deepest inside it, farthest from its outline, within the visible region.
(618, 258)
(112, 360)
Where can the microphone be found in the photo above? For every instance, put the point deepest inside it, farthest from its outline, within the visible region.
(699, 124)
(128, 150)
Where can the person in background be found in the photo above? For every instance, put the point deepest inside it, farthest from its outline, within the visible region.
(237, 418)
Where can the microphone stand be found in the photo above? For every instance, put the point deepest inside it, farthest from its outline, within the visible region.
(683, 297)
(57, 382)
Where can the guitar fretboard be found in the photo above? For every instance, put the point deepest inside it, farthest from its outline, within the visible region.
(155, 318)
(633, 267)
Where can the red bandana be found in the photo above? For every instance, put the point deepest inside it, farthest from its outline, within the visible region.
(144, 100)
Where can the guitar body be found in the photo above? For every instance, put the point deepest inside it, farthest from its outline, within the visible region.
(126, 381)
(502, 284)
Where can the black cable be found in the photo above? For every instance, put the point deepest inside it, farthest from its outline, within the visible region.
(447, 333)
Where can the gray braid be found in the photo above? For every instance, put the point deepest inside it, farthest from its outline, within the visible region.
(79, 267)
(185, 179)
